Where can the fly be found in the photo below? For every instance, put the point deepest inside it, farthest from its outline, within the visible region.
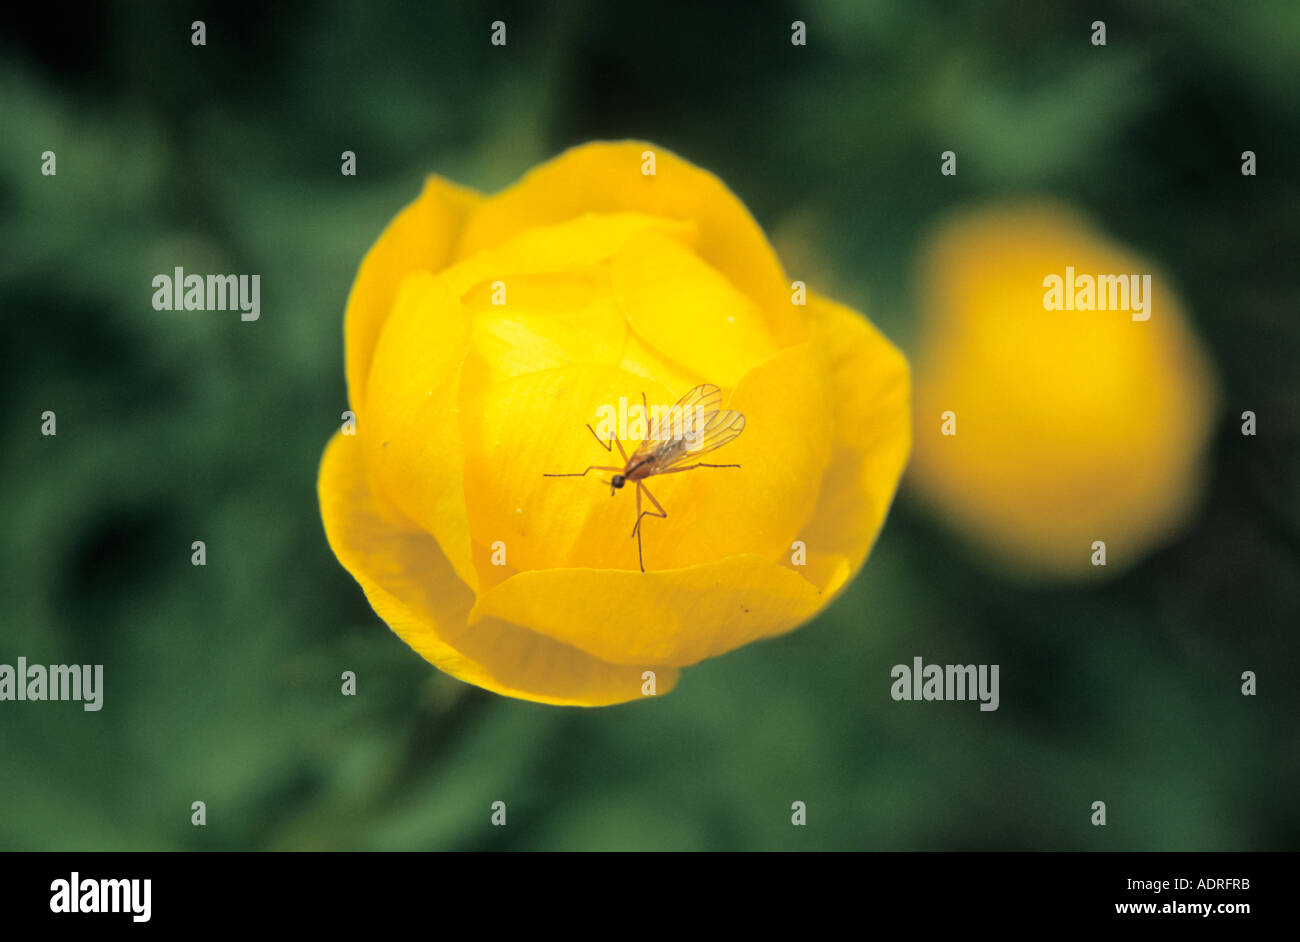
(703, 427)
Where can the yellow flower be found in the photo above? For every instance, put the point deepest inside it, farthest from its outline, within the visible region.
(482, 333)
(1072, 426)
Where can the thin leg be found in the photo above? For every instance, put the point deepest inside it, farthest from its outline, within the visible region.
(636, 530)
(605, 445)
(609, 445)
(648, 513)
(692, 467)
(579, 474)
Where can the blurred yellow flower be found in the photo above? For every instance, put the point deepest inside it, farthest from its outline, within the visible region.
(483, 332)
(1050, 414)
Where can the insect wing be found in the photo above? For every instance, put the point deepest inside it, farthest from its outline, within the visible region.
(694, 426)
(701, 400)
(705, 428)
(711, 433)
(677, 423)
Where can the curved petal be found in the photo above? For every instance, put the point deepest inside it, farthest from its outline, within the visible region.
(687, 311)
(420, 237)
(525, 338)
(870, 412)
(677, 616)
(413, 588)
(760, 507)
(411, 433)
(643, 360)
(542, 299)
(564, 246)
(606, 176)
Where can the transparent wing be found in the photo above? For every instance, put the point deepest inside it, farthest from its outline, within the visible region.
(693, 427)
(714, 432)
(701, 400)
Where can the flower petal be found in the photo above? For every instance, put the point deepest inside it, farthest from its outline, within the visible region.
(564, 246)
(760, 507)
(521, 428)
(524, 338)
(870, 392)
(555, 284)
(687, 311)
(411, 432)
(642, 360)
(411, 585)
(677, 616)
(420, 237)
(606, 176)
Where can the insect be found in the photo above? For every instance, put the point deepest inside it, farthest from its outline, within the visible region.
(702, 427)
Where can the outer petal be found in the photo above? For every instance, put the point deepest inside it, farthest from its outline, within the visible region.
(870, 412)
(420, 237)
(564, 246)
(677, 616)
(410, 584)
(607, 177)
(411, 431)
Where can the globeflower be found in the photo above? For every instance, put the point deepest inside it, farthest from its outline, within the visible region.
(484, 334)
(1063, 403)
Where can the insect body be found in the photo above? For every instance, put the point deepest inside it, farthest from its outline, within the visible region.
(698, 426)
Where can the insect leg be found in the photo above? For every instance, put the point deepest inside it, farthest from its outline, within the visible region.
(636, 530)
(692, 467)
(608, 446)
(579, 474)
(646, 513)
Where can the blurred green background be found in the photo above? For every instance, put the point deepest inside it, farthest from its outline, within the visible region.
(222, 683)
